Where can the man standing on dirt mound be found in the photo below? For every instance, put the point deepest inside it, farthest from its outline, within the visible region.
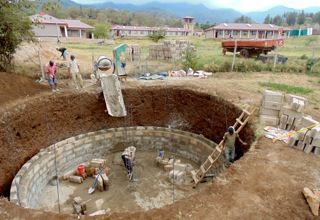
(74, 72)
(51, 70)
(229, 145)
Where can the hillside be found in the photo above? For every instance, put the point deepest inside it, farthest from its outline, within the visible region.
(202, 13)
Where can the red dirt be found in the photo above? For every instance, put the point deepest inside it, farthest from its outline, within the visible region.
(14, 87)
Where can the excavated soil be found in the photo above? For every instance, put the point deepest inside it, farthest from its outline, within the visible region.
(13, 87)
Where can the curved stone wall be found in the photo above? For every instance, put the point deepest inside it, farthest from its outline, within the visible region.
(40, 169)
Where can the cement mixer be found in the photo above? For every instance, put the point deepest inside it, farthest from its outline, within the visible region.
(110, 82)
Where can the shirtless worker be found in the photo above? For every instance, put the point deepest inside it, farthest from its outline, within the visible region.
(128, 157)
(229, 144)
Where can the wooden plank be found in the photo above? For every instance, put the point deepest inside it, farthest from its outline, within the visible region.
(210, 159)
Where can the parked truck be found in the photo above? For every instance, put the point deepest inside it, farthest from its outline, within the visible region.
(251, 47)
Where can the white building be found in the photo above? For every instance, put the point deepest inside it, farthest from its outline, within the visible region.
(239, 30)
(49, 26)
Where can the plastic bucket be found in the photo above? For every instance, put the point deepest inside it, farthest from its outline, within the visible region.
(81, 170)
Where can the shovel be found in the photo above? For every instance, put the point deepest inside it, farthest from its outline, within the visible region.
(93, 187)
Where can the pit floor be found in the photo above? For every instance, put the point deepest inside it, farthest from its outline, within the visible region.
(152, 189)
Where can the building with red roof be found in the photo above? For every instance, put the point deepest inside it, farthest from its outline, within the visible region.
(142, 31)
(241, 30)
(48, 26)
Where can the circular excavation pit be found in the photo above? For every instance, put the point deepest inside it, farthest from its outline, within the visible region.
(183, 122)
(153, 188)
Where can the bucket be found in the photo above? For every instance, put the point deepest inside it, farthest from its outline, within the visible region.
(81, 170)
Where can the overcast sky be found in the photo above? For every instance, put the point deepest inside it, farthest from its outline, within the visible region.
(240, 5)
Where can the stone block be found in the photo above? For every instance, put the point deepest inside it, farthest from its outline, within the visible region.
(270, 112)
(315, 132)
(180, 167)
(96, 163)
(308, 148)
(273, 96)
(168, 167)
(317, 150)
(286, 110)
(297, 105)
(306, 121)
(271, 105)
(105, 180)
(313, 200)
(67, 174)
(75, 179)
(269, 120)
(290, 97)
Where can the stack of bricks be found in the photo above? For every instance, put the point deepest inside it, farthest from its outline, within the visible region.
(270, 109)
(292, 112)
(169, 50)
(284, 112)
(133, 53)
(308, 138)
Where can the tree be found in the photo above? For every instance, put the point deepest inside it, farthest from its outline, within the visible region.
(15, 27)
(189, 59)
(244, 19)
(267, 20)
(301, 18)
(291, 18)
(102, 30)
(157, 35)
(277, 20)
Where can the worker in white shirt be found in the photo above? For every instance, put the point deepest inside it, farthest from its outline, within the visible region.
(128, 157)
(74, 72)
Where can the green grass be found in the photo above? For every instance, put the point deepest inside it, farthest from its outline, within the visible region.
(286, 88)
(209, 54)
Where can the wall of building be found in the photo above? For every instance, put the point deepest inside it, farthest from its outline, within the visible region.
(40, 169)
(241, 34)
(135, 33)
(46, 30)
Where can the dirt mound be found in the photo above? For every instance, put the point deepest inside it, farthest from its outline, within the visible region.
(13, 87)
(27, 53)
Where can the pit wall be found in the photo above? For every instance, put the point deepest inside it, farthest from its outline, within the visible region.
(40, 169)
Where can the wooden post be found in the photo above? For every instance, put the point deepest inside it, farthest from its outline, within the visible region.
(275, 60)
(43, 78)
(234, 55)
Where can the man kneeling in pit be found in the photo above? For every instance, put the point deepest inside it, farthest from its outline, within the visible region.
(128, 157)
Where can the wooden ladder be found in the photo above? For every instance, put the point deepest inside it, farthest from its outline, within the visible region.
(241, 121)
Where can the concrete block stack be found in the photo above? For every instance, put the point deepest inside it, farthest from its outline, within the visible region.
(307, 140)
(133, 53)
(292, 112)
(170, 50)
(278, 110)
(270, 108)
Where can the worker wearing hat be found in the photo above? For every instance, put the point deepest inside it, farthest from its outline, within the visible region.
(229, 139)
(128, 157)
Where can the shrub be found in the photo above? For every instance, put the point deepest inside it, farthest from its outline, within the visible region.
(157, 35)
(304, 57)
(189, 59)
